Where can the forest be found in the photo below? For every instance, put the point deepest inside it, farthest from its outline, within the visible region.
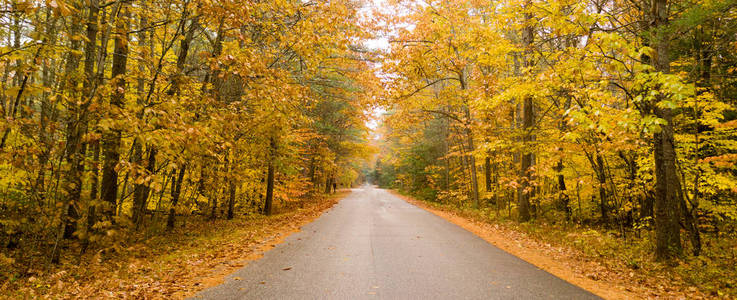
(124, 117)
(617, 116)
(609, 125)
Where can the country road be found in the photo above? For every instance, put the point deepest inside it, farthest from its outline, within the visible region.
(373, 245)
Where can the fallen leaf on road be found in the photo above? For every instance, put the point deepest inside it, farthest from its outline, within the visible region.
(287, 269)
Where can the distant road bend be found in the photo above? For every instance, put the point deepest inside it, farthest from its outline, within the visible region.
(373, 245)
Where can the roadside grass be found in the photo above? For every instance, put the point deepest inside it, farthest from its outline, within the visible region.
(606, 256)
(171, 265)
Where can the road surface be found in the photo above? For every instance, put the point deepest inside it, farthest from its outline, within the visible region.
(374, 245)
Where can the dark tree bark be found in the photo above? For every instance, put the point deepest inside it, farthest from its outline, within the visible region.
(89, 81)
(667, 183)
(563, 198)
(213, 208)
(176, 190)
(528, 120)
(328, 184)
(691, 225)
(139, 197)
(469, 157)
(526, 189)
(141, 191)
(603, 200)
(270, 177)
(648, 205)
(73, 182)
(231, 199)
(472, 163)
(312, 172)
(111, 137)
(487, 170)
(74, 147)
(94, 192)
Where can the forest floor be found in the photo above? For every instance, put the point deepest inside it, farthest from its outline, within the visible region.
(171, 266)
(598, 273)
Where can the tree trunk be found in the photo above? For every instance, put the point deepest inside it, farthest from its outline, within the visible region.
(472, 163)
(487, 170)
(94, 196)
(139, 197)
(328, 184)
(90, 79)
(73, 183)
(528, 120)
(471, 147)
(213, 208)
(231, 199)
(270, 177)
(446, 151)
(603, 203)
(74, 148)
(111, 137)
(311, 174)
(647, 205)
(563, 198)
(141, 191)
(176, 190)
(667, 200)
(527, 162)
(137, 162)
(667, 184)
(692, 226)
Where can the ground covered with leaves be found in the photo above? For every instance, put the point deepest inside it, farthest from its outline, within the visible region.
(601, 263)
(173, 266)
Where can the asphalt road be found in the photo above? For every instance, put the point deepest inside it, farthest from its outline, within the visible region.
(373, 245)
